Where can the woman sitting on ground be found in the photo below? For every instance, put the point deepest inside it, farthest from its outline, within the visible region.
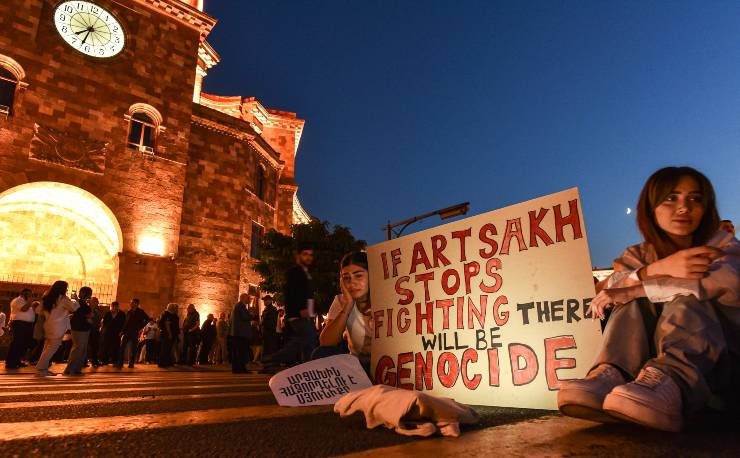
(349, 314)
(672, 338)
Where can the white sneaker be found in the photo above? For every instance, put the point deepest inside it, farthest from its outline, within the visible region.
(584, 398)
(652, 400)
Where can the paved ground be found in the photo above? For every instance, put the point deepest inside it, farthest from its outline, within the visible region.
(211, 412)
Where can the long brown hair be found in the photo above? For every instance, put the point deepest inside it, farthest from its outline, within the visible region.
(656, 189)
(49, 299)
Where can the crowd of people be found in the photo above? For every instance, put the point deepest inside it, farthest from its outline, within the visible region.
(670, 342)
(74, 329)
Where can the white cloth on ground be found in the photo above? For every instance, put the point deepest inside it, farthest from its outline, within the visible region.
(411, 413)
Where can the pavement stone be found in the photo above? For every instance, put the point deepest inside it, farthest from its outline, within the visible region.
(208, 411)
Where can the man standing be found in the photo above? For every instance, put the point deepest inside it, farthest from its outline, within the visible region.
(269, 327)
(81, 322)
(136, 319)
(94, 342)
(169, 326)
(110, 332)
(207, 336)
(21, 322)
(221, 354)
(241, 331)
(299, 313)
(191, 331)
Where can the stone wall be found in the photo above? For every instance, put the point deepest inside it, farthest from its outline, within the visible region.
(219, 207)
(81, 102)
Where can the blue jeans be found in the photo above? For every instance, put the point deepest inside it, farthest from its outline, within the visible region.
(301, 344)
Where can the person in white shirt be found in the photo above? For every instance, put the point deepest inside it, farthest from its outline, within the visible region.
(671, 341)
(56, 307)
(22, 317)
(349, 314)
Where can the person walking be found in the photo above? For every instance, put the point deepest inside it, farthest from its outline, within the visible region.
(241, 332)
(299, 313)
(56, 307)
(136, 319)
(22, 318)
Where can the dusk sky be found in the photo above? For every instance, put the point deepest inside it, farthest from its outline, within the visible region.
(411, 106)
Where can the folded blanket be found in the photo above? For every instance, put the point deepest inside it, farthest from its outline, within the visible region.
(411, 413)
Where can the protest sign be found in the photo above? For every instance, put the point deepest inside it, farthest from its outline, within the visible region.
(319, 382)
(488, 310)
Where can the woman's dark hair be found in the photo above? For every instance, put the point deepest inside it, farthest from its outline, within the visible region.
(59, 288)
(656, 189)
(84, 293)
(358, 258)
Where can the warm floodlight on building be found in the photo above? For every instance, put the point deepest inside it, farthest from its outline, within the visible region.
(151, 245)
(444, 213)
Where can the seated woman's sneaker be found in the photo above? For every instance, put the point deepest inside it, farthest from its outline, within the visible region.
(584, 398)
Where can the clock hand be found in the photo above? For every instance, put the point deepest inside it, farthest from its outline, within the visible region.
(88, 34)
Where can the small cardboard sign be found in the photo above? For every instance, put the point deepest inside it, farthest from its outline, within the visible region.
(319, 382)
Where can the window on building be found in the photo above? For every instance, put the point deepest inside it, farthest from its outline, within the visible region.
(142, 132)
(8, 85)
(257, 232)
(259, 183)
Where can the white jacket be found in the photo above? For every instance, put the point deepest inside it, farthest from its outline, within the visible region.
(57, 321)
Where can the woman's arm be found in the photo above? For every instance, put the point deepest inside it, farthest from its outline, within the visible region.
(336, 320)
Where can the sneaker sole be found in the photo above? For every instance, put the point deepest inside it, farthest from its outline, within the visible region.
(635, 411)
(587, 413)
(583, 404)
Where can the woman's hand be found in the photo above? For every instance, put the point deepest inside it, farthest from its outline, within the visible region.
(608, 298)
(345, 299)
(688, 263)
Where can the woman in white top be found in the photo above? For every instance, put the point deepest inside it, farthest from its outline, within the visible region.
(56, 307)
(349, 314)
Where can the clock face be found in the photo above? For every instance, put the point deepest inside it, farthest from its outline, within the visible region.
(89, 28)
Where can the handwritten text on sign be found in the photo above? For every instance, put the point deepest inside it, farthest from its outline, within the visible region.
(490, 309)
(319, 382)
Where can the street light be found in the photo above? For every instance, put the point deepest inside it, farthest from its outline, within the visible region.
(444, 213)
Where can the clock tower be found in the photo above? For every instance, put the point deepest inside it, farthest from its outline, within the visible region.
(114, 171)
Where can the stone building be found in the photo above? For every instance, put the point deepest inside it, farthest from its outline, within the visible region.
(117, 171)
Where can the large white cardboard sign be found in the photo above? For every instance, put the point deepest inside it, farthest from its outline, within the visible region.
(488, 310)
(319, 382)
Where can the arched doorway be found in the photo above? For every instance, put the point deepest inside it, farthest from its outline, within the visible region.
(53, 231)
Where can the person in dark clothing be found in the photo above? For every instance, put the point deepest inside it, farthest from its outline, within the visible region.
(241, 331)
(110, 333)
(81, 323)
(169, 326)
(207, 337)
(93, 343)
(191, 334)
(299, 312)
(269, 327)
(136, 319)
(22, 317)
